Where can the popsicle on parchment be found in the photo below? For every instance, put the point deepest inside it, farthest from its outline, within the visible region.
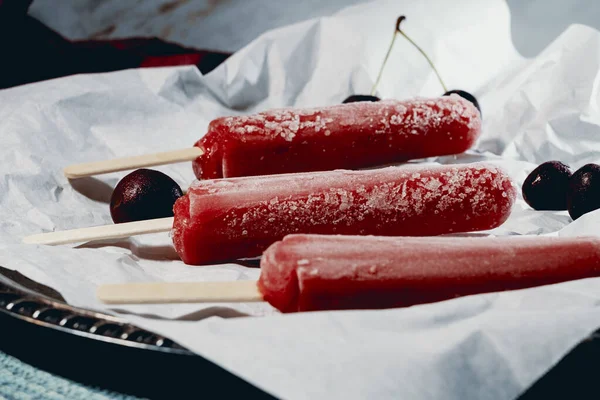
(333, 272)
(227, 219)
(240, 217)
(344, 136)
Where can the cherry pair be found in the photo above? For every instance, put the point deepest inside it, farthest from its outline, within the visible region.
(552, 186)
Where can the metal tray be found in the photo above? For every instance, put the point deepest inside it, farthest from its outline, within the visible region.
(46, 308)
(101, 350)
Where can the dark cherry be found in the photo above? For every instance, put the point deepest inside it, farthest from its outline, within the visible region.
(465, 95)
(360, 97)
(144, 194)
(583, 194)
(545, 188)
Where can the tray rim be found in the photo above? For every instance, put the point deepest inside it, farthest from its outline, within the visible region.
(8, 285)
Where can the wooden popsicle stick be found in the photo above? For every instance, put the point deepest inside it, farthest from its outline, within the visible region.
(102, 232)
(179, 292)
(121, 164)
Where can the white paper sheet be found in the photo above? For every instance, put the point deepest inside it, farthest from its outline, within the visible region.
(489, 346)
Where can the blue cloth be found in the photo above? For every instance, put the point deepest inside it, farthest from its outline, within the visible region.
(20, 381)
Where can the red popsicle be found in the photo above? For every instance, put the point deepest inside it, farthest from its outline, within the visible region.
(317, 272)
(334, 272)
(219, 220)
(348, 136)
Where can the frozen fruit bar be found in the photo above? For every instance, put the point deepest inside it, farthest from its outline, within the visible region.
(226, 219)
(318, 272)
(345, 136)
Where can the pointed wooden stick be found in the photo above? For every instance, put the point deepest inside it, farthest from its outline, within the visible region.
(179, 292)
(121, 164)
(103, 232)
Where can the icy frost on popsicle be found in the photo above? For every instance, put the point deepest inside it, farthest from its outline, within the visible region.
(220, 220)
(313, 272)
(346, 136)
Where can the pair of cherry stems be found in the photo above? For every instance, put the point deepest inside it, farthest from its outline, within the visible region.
(399, 31)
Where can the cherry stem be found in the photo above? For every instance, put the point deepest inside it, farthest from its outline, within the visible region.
(400, 31)
(387, 55)
(397, 31)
